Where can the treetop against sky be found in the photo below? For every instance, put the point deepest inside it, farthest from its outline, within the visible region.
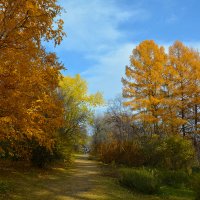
(102, 33)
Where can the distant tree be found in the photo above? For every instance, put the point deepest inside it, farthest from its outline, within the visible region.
(120, 119)
(78, 107)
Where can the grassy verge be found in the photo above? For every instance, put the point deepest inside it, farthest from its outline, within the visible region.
(84, 180)
(165, 184)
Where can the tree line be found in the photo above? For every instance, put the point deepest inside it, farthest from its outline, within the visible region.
(150, 135)
(156, 121)
(40, 110)
(164, 88)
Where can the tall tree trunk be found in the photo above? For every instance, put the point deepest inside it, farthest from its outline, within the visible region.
(195, 118)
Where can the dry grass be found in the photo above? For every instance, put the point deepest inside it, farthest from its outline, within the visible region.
(81, 181)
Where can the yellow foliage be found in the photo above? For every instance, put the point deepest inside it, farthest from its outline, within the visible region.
(78, 106)
(29, 105)
(144, 80)
(164, 88)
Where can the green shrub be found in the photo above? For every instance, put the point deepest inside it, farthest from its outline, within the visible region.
(41, 156)
(177, 153)
(196, 169)
(174, 178)
(4, 187)
(196, 186)
(150, 146)
(170, 152)
(173, 152)
(127, 153)
(131, 154)
(141, 180)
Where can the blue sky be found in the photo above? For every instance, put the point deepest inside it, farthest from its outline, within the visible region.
(102, 33)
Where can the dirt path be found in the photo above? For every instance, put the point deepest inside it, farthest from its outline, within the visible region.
(86, 182)
(82, 181)
(83, 178)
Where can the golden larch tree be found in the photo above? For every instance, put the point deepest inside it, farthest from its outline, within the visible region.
(143, 83)
(183, 81)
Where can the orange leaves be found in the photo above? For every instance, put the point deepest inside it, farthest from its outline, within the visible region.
(6, 119)
(163, 89)
(29, 105)
(25, 20)
(29, 5)
(145, 78)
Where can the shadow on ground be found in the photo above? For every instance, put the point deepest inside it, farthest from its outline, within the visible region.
(81, 181)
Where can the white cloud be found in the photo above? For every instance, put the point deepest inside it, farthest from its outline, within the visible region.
(93, 29)
(106, 75)
(93, 25)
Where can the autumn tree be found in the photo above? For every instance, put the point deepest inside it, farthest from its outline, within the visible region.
(143, 84)
(29, 106)
(163, 90)
(195, 95)
(78, 107)
(185, 87)
(25, 21)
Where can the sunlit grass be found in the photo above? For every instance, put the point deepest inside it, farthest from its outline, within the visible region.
(84, 180)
